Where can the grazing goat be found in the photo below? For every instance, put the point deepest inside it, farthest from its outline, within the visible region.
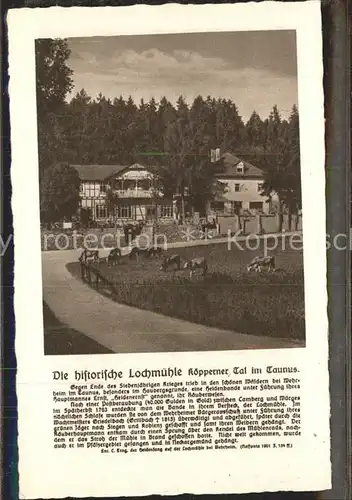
(88, 256)
(197, 263)
(259, 263)
(114, 256)
(174, 259)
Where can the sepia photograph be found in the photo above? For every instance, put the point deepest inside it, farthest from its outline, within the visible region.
(170, 192)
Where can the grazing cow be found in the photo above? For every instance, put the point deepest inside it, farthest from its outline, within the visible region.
(155, 251)
(173, 260)
(114, 256)
(136, 253)
(259, 263)
(88, 256)
(197, 263)
(208, 225)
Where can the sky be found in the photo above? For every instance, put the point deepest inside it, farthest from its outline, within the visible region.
(255, 69)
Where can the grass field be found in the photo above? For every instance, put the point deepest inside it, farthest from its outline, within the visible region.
(270, 304)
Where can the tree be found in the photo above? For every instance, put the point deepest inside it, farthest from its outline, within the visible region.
(254, 131)
(54, 82)
(53, 75)
(111, 203)
(59, 193)
(180, 141)
(284, 176)
(187, 142)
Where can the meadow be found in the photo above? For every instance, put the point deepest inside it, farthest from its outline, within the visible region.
(269, 304)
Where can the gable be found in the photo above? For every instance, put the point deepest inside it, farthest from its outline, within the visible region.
(97, 172)
(100, 173)
(135, 171)
(231, 167)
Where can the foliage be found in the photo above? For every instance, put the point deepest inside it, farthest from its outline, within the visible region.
(54, 77)
(54, 82)
(174, 140)
(284, 174)
(59, 193)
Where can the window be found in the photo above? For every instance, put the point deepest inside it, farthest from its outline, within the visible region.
(217, 206)
(236, 205)
(129, 184)
(101, 212)
(256, 205)
(240, 167)
(125, 211)
(103, 187)
(92, 189)
(118, 185)
(260, 186)
(144, 184)
(237, 188)
(150, 211)
(166, 211)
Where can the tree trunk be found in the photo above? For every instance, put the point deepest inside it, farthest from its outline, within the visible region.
(183, 213)
(281, 217)
(289, 217)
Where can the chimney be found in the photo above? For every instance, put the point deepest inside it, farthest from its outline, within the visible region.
(215, 155)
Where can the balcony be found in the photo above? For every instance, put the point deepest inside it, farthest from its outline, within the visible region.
(134, 193)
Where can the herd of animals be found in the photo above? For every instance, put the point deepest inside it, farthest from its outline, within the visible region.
(174, 261)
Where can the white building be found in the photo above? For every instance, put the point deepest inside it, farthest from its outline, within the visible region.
(138, 199)
(136, 196)
(243, 187)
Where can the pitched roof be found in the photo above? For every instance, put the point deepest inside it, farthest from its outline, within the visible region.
(227, 167)
(97, 172)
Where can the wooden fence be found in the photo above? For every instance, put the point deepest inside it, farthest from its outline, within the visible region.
(92, 275)
(259, 224)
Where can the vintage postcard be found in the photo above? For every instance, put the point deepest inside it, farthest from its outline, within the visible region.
(170, 249)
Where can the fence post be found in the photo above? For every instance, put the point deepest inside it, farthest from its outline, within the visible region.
(259, 224)
(279, 222)
(82, 271)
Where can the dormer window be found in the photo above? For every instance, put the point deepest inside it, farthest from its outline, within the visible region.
(240, 168)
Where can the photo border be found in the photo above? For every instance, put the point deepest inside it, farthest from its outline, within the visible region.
(335, 58)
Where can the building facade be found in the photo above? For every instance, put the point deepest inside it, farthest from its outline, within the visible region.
(243, 188)
(135, 196)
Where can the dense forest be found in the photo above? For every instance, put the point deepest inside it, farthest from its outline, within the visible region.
(173, 139)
